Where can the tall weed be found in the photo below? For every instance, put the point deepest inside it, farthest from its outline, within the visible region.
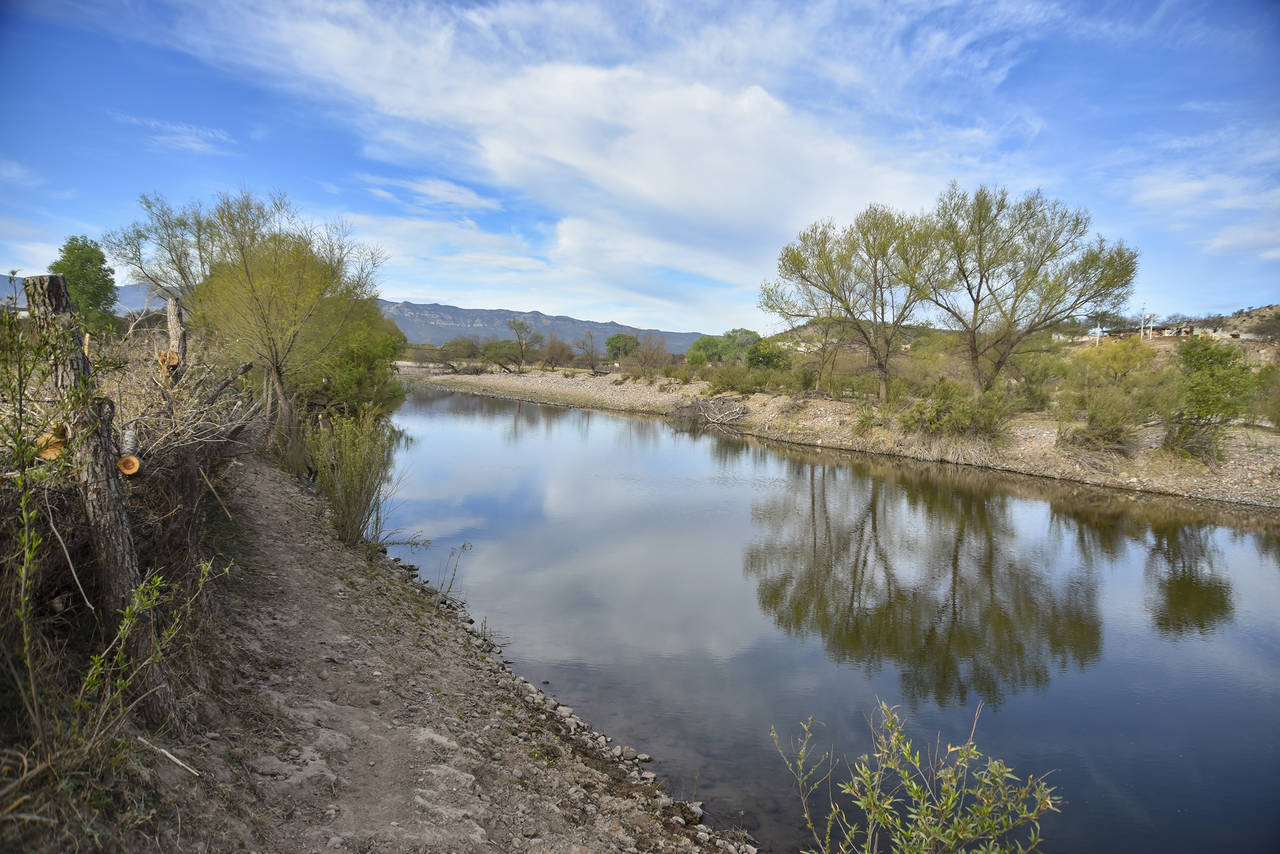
(351, 459)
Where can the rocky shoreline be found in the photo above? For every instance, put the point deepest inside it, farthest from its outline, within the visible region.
(1248, 474)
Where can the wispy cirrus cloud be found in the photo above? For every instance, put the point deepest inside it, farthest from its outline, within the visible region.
(181, 136)
(432, 193)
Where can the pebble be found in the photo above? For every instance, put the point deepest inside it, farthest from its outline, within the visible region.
(629, 753)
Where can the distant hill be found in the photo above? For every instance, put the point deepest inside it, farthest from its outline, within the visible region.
(133, 298)
(436, 324)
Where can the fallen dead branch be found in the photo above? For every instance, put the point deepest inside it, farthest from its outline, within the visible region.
(695, 413)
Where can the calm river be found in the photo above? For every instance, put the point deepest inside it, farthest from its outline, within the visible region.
(684, 594)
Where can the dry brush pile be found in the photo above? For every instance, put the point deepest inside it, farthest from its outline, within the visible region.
(109, 451)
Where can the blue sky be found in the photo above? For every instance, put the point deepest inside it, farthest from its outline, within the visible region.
(645, 161)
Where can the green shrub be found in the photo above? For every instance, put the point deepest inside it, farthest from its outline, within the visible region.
(914, 803)
(735, 378)
(1110, 421)
(951, 410)
(1216, 386)
(681, 373)
(804, 378)
(1266, 399)
(767, 354)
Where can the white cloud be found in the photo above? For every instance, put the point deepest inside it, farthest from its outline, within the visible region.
(1262, 239)
(12, 172)
(180, 136)
(29, 258)
(434, 193)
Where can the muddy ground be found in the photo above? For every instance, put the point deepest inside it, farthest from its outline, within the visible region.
(344, 709)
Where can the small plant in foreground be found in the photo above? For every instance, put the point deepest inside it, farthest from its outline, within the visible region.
(942, 801)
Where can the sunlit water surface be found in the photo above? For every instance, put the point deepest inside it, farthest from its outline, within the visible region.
(685, 594)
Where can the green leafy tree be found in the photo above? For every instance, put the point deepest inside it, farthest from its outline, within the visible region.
(767, 354)
(458, 349)
(358, 373)
(283, 293)
(90, 281)
(706, 349)
(735, 343)
(504, 354)
(1216, 387)
(1011, 268)
(621, 345)
(868, 278)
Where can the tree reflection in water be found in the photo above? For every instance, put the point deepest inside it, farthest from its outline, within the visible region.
(921, 567)
(1187, 594)
(920, 571)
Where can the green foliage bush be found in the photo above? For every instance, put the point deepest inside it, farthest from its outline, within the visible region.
(767, 354)
(359, 373)
(1216, 386)
(1035, 376)
(914, 803)
(1110, 422)
(1266, 400)
(736, 378)
(744, 380)
(1113, 388)
(682, 373)
(952, 410)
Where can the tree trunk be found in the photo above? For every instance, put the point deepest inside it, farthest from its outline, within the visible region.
(118, 574)
(177, 340)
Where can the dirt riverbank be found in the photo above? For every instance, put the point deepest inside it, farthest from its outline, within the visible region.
(1248, 473)
(344, 709)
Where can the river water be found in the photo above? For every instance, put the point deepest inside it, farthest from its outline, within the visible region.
(686, 593)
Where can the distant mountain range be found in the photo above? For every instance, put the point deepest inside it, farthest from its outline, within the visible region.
(435, 324)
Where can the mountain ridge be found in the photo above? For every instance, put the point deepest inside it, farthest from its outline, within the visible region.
(436, 323)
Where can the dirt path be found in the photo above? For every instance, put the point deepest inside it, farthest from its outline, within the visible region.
(348, 712)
